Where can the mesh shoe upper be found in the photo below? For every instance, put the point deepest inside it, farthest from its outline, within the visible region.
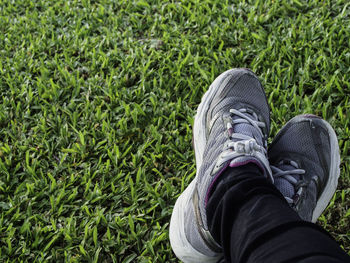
(236, 125)
(303, 145)
(240, 90)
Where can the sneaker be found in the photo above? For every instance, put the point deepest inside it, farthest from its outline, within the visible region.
(305, 160)
(230, 129)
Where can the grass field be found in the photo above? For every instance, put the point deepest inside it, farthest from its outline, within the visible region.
(97, 107)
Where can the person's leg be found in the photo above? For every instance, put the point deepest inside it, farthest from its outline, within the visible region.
(262, 225)
(230, 129)
(251, 220)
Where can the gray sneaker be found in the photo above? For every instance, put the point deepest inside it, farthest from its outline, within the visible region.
(230, 130)
(304, 158)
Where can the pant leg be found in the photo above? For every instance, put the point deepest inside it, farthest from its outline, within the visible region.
(251, 220)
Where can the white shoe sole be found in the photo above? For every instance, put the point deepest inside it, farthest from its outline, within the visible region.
(179, 243)
(334, 173)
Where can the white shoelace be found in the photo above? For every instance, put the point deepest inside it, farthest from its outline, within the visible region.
(244, 145)
(288, 176)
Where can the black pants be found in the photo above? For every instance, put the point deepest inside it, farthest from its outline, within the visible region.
(252, 221)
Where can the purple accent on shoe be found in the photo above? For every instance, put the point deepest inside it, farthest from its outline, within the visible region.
(246, 162)
(223, 169)
(230, 131)
(212, 184)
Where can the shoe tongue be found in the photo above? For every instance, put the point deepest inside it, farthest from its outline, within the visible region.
(249, 130)
(283, 185)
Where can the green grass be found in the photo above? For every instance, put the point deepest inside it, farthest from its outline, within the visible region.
(97, 106)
